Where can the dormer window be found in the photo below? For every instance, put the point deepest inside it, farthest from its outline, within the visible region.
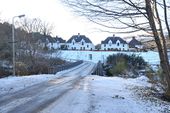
(110, 43)
(118, 44)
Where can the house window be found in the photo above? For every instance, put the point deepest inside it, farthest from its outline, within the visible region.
(87, 46)
(118, 44)
(82, 43)
(73, 43)
(83, 48)
(110, 43)
(74, 48)
(104, 45)
(123, 45)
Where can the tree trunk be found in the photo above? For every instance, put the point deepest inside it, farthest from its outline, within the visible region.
(161, 46)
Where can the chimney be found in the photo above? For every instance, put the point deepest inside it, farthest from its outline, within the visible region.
(78, 34)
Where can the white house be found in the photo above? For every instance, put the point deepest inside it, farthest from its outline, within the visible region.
(42, 42)
(114, 43)
(59, 43)
(135, 44)
(80, 42)
(55, 43)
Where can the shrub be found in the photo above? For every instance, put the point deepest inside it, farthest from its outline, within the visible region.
(119, 68)
(21, 68)
(5, 72)
(28, 65)
(120, 63)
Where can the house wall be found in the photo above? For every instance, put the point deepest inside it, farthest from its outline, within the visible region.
(139, 46)
(55, 45)
(111, 46)
(58, 45)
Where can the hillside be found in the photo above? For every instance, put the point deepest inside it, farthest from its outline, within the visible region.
(152, 45)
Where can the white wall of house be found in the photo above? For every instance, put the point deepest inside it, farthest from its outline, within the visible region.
(82, 45)
(139, 46)
(111, 46)
(56, 45)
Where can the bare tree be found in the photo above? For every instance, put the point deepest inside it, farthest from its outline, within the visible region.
(47, 28)
(127, 16)
(37, 25)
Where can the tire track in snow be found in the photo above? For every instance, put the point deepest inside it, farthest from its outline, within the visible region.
(38, 101)
(34, 89)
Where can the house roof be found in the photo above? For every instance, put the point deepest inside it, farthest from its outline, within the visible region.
(50, 39)
(114, 40)
(60, 40)
(134, 42)
(78, 38)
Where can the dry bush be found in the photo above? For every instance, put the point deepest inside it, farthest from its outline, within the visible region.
(36, 65)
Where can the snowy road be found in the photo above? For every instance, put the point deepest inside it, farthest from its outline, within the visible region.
(76, 91)
(57, 95)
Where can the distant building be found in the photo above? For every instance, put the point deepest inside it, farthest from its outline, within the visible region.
(135, 44)
(59, 43)
(80, 42)
(48, 42)
(42, 41)
(114, 43)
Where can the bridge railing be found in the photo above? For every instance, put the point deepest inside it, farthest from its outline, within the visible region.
(55, 69)
(99, 69)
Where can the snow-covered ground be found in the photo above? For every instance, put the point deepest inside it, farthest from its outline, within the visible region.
(119, 95)
(93, 94)
(94, 56)
(14, 83)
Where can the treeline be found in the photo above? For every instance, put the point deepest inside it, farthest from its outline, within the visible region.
(30, 45)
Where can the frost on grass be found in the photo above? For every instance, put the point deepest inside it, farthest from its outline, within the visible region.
(149, 96)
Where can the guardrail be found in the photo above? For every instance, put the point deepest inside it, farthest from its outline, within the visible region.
(99, 69)
(55, 69)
